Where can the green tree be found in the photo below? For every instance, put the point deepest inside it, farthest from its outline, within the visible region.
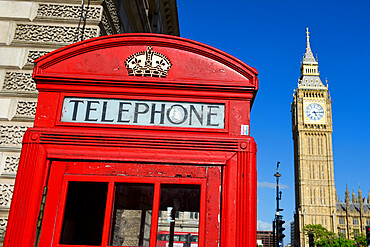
(325, 238)
(360, 240)
(319, 232)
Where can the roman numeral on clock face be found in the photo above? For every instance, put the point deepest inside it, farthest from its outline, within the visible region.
(314, 111)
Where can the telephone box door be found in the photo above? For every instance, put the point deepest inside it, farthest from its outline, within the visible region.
(168, 206)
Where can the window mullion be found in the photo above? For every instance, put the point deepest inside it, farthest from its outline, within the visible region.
(108, 214)
(155, 214)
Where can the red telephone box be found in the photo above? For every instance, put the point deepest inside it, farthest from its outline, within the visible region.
(138, 140)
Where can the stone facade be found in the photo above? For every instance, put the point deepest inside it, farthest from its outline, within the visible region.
(313, 154)
(30, 29)
(353, 215)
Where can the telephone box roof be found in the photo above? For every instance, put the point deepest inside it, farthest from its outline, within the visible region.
(174, 60)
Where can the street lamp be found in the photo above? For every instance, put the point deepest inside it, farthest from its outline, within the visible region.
(278, 222)
(278, 193)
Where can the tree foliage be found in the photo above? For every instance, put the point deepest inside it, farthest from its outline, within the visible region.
(326, 238)
(360, 240)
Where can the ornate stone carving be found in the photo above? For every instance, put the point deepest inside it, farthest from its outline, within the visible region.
(52, 34)
(11, 134)
(3, 223)
(6, 193)
(33, 55)
(106, 24)
(63, 11)
(113, 14)
(26, 109)
(127, 227)
(17, 81)
(11, 165)
(131, 242)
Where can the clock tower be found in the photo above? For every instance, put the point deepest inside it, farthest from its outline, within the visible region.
(315, 194)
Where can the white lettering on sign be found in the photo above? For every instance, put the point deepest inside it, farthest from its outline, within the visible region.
(144, 113)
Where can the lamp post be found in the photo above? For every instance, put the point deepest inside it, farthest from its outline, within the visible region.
(278, 193)
(278, 218)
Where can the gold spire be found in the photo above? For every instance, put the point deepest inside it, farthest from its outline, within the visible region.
(308, 58)
(308, 36)
(310, 75)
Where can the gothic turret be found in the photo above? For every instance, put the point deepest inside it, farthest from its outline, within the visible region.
(354, 200)
(361, 199)
(348, 199)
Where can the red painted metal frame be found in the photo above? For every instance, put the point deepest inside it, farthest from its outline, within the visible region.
(53, 221)
(95, 68)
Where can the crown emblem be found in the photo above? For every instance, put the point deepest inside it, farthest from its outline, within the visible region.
(148, 63)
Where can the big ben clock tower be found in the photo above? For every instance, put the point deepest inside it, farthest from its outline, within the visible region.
(315, 194)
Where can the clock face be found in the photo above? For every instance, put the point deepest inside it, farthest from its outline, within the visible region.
(314, 112)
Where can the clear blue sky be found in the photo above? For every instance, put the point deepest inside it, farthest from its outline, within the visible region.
(271, 36)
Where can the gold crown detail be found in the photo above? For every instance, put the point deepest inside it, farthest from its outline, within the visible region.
(148, 63)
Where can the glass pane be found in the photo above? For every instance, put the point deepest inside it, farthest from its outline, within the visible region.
(178, 224)
(84, 213)
(132, 215)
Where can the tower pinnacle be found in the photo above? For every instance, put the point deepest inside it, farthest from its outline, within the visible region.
(347, 193)
(310, 76)
(309, 58)
(354, 200)
(308, 35)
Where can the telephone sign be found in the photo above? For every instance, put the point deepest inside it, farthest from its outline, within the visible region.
(144, 113)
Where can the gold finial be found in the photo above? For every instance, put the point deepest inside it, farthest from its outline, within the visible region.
(308, 35)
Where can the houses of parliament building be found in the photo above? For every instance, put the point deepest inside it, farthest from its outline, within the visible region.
(316, 200)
